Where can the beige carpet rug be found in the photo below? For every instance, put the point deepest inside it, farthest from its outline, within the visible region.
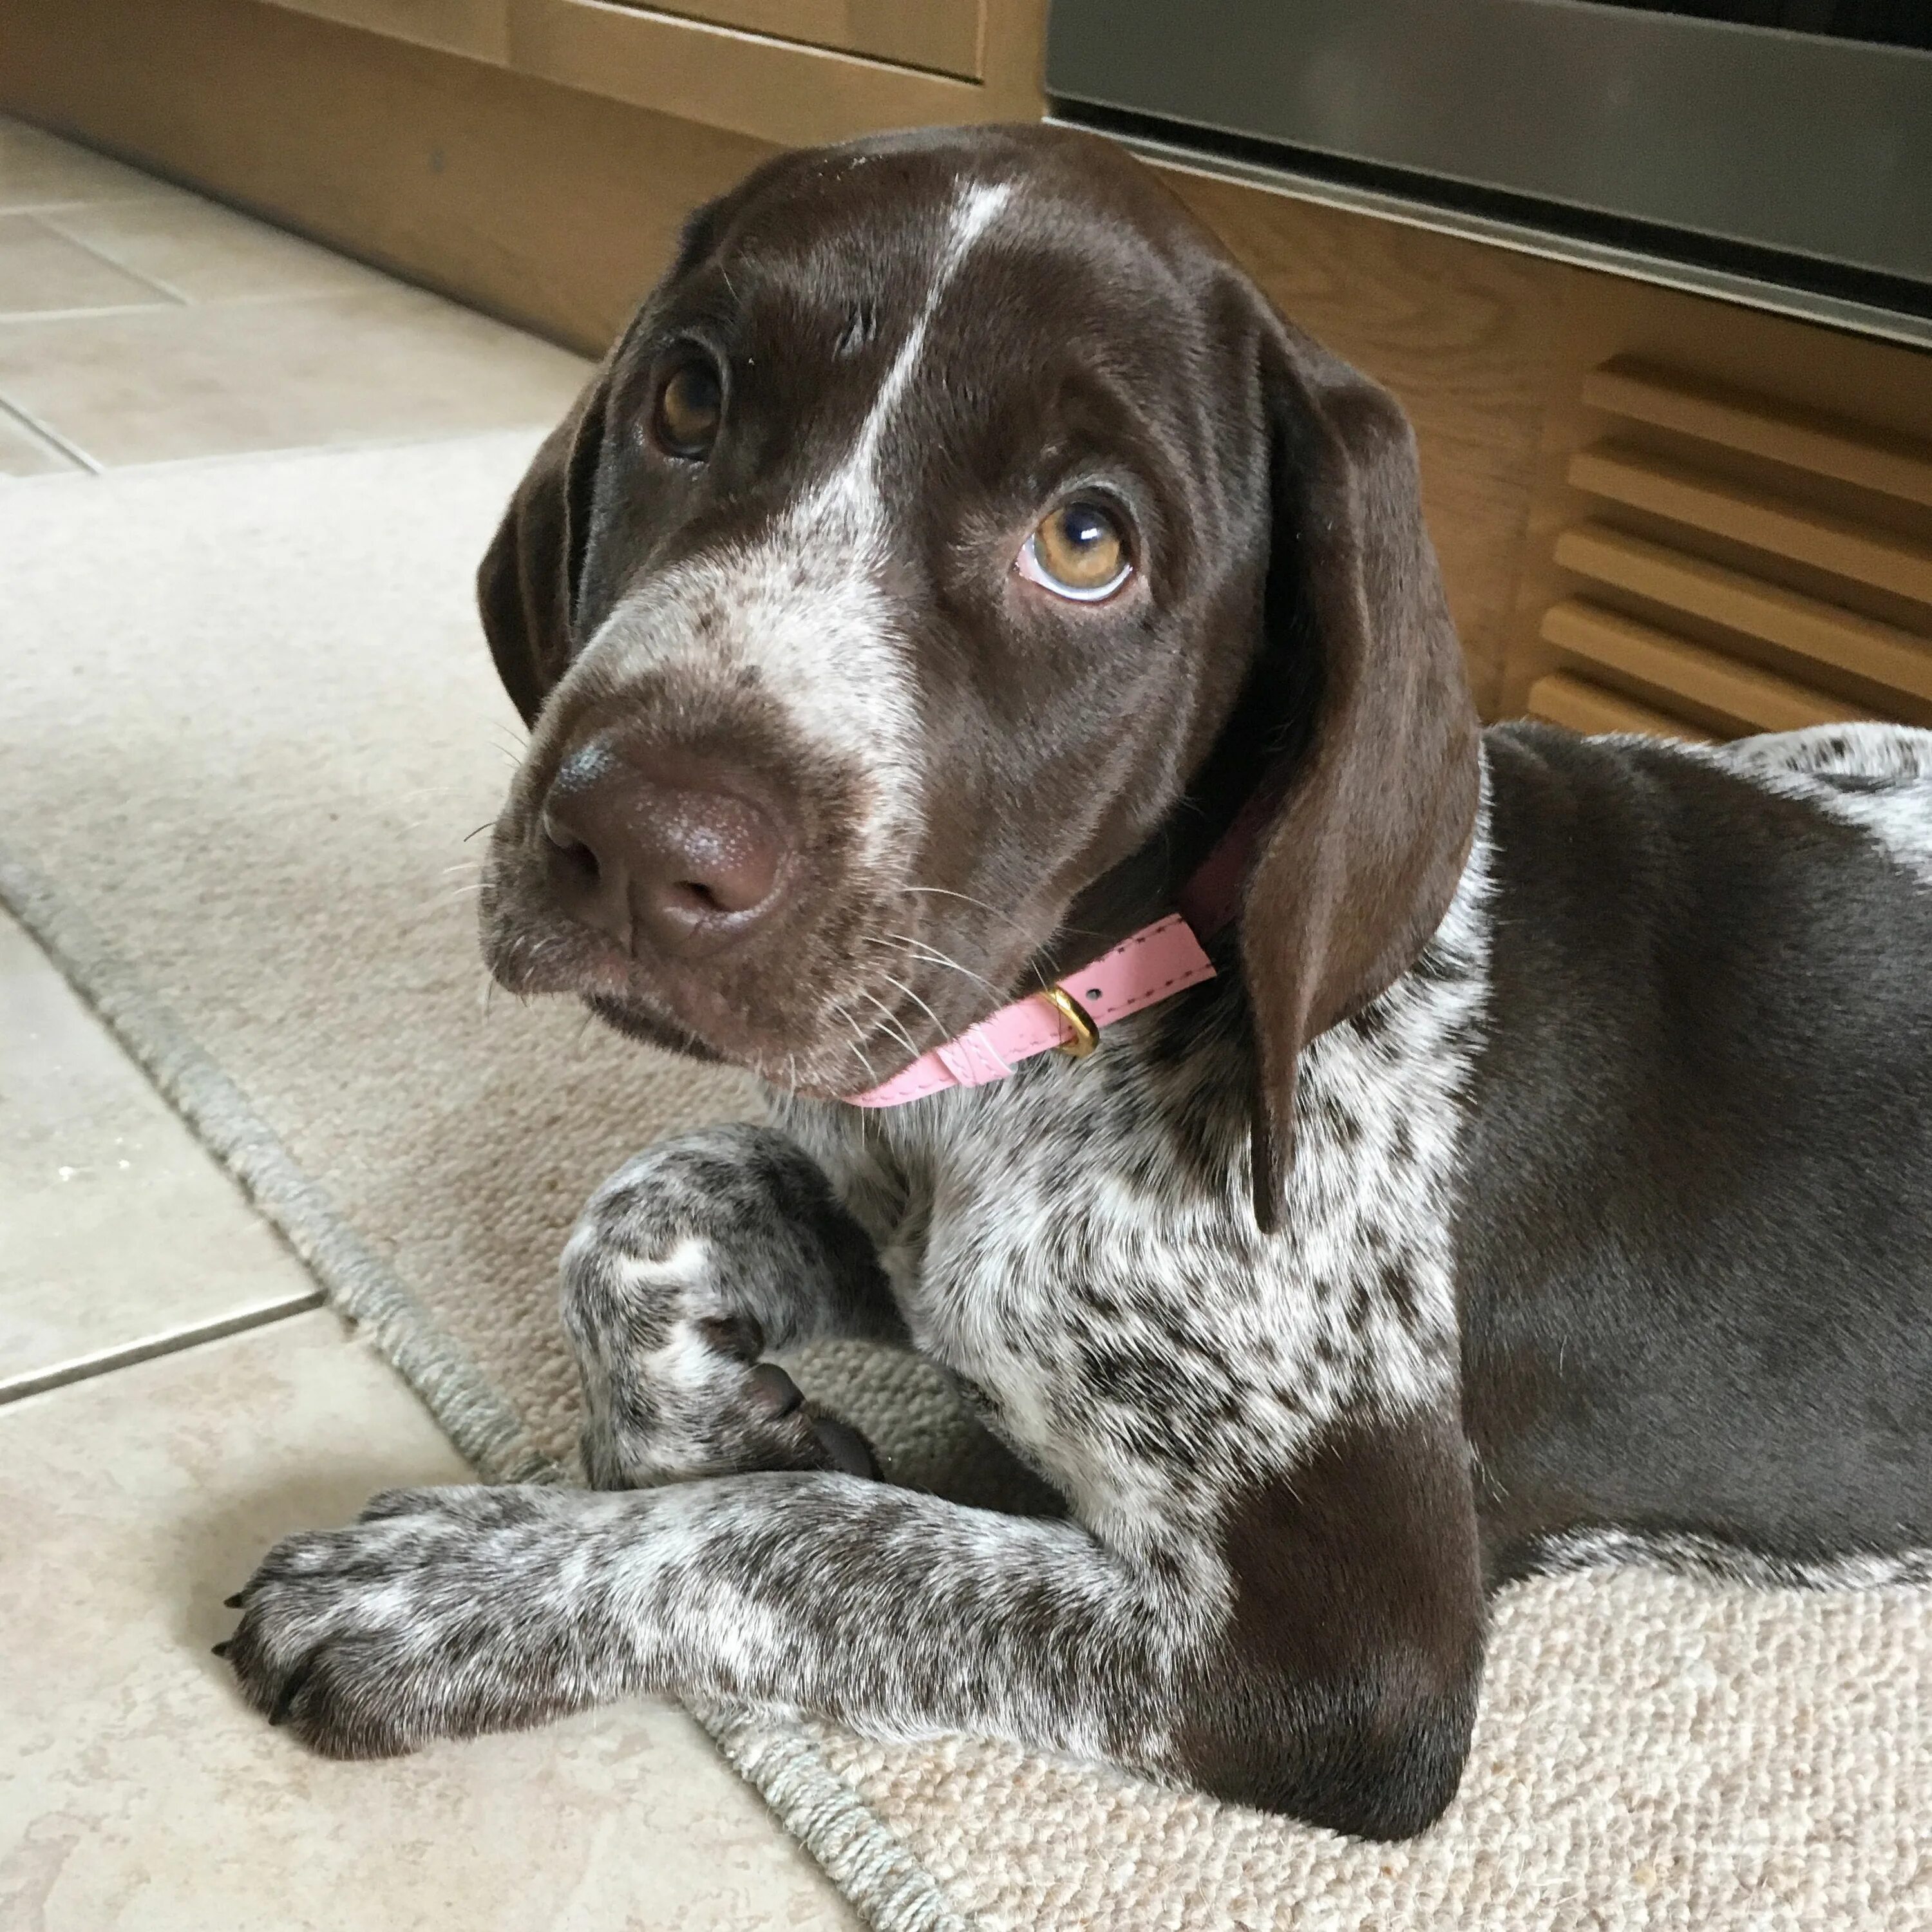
(246, 720)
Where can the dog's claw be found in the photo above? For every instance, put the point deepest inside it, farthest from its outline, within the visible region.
(219, 1649)
(233, 1603)
(775, 1389)
(849, 1453)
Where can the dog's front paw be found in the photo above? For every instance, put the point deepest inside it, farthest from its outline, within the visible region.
(670, 1299)
(731, 1415)
(437, 1613)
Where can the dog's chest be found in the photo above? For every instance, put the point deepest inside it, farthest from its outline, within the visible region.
(1078, 1245)
(1092, 1286)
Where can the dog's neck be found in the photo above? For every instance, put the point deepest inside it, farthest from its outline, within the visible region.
(1181, 892)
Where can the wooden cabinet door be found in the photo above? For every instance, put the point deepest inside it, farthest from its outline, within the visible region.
(942, 36)
(783, 71)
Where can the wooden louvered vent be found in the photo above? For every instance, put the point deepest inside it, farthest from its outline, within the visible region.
(1745, 566)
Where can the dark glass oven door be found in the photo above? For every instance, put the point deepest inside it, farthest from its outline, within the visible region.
(1884, 23)
(1808, 144)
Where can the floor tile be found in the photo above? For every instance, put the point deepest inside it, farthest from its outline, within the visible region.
(389, 363)
(24, 452)
(41, 271)
(204, 252)
(120, 1234)
(141, 1795)
(39, 170)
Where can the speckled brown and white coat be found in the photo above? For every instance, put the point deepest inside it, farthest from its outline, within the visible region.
(1545, 1177)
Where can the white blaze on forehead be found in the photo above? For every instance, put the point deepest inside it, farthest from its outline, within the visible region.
(803, 603)
(853, 487)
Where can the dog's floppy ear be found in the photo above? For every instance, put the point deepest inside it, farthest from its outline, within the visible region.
(1356, 866)
(528, 584)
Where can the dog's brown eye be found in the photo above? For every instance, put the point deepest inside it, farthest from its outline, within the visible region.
(1078, 551)
(685, 420)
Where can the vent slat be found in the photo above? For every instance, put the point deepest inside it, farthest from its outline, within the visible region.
(1878, 652)
(1755, 518)
(1761, 426)
(1758, 699)
(1561, 699)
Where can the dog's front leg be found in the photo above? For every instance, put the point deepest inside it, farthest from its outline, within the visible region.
(1312, 1646)
(693, 1262)
(445, 1613)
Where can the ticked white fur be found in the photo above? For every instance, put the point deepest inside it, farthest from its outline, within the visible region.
(1034, 1227)
(1803, 764)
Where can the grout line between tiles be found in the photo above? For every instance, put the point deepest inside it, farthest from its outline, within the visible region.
(170, 297)
(487, 1430)
(16, 317)
(67, 204)
(274, 452)
(99, 254)
(48, 434)
(280, 452)
(88, 1368)
(384, 284)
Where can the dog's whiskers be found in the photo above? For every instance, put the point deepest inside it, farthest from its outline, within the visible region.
(920, 949)
(892, 1021)
(858, 1045)
(903, 987)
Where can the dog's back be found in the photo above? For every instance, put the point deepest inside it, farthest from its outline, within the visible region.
(1696, 1248)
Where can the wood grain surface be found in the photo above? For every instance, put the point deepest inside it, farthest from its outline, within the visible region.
(550, 208)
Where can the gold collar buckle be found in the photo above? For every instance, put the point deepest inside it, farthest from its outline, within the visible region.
(1086, 1034)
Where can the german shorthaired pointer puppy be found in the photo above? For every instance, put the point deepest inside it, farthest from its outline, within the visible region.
(1469, 1152)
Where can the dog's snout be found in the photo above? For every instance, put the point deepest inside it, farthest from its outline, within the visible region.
(668, 855)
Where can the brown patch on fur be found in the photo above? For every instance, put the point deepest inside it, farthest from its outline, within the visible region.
(1345, 1688)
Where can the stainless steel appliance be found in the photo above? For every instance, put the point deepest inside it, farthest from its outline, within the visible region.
(1777, 143)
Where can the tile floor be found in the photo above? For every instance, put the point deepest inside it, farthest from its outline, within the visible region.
(172, 1396)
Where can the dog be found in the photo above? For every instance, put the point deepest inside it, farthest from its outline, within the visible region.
(959, 582)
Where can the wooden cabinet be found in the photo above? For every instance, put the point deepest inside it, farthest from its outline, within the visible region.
(480, 28)
(535, 157)
(803, 85)
(791, 72)
(1732, 531)
(942, 35)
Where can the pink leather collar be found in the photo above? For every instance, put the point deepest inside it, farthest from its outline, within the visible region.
(1146, 967)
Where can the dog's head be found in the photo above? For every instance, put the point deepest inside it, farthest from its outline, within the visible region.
(951, 545)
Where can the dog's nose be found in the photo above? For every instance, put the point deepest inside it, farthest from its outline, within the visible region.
(671, 856)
